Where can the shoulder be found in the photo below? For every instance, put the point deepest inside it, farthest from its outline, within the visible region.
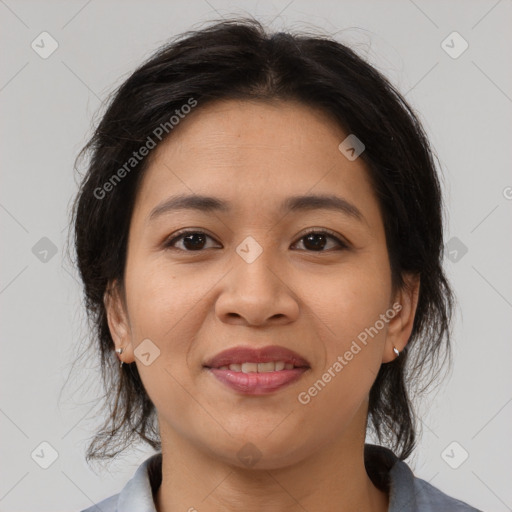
(429, 498)
(138, 493)
(107, 505)
(406, 491)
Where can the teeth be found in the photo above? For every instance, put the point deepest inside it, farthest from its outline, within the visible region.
(272, 366)
(266, 367)
(249, 367)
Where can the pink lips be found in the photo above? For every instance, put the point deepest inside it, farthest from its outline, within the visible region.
(257, 383)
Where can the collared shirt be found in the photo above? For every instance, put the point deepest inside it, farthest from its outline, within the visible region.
(407, 493)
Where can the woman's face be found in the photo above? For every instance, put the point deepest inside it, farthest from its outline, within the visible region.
(251, 277)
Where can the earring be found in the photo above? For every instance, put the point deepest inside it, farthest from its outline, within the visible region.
(120, 351)
(395, 350)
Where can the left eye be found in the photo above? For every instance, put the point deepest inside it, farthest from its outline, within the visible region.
(196, 241)
(317, 240)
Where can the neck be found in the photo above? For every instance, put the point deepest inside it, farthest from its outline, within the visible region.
(332, 479)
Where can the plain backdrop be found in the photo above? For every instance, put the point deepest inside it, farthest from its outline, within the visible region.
(48, 107)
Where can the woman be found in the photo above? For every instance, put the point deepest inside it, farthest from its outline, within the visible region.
(260, 238)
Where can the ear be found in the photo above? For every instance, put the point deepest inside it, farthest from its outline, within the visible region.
(118, 321)
(400, 326)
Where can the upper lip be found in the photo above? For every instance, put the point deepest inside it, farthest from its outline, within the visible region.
(244, 354)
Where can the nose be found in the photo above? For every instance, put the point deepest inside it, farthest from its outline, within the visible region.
(257, 294)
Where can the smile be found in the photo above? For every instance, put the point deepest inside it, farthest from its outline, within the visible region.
(257, 371)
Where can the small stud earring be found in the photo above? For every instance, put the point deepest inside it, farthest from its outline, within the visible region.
(120, 351)
(395, 350)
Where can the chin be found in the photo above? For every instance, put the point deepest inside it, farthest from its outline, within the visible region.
(260, 451)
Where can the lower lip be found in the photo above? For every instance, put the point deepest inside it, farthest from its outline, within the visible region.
(257, 383)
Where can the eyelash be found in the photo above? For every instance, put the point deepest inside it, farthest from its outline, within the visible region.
(180, 234)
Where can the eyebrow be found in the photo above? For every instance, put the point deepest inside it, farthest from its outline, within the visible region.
(209, 204)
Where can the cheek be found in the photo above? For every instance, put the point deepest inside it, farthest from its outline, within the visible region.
(159, 295)
(164, 308)
(339, 386)
(350, 307)
(349, 297)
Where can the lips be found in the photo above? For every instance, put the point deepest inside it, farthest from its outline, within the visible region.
(252, 371)
(242, 355)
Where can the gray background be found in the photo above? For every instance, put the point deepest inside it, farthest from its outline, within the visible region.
(48, 106)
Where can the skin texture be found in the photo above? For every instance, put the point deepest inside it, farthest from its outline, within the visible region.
(194, 304)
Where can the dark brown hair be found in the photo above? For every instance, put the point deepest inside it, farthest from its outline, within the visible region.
(238, 59)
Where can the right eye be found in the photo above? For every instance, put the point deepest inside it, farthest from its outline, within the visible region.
(191, 240)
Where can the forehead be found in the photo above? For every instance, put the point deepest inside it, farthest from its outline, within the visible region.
(240, 125)
(250, 150)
